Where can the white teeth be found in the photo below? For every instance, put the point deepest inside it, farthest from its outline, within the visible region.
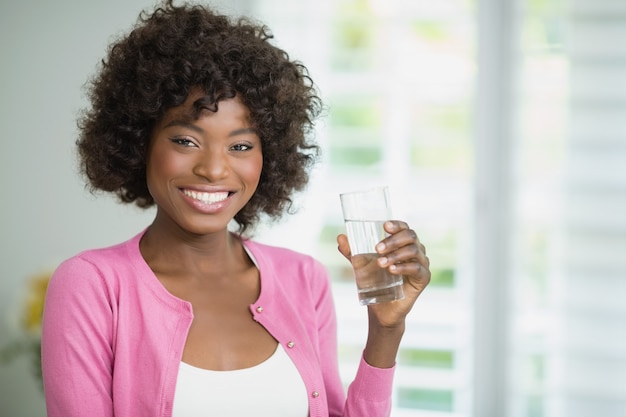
(207, 198)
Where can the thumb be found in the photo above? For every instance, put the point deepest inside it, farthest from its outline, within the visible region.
(343, 246)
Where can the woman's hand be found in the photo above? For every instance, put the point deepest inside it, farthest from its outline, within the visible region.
(402, 254)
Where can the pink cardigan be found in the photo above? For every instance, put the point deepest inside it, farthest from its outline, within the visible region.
(113, 336)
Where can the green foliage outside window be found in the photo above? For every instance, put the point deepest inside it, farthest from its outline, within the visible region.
(431, 31)
(442, 277)
(425, 399)
(354, 156)
(440, 138)
(442, 359)
(354, 112)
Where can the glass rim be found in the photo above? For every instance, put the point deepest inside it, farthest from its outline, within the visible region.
(366, 190)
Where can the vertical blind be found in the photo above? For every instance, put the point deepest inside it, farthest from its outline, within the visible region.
(567, 330)
(501, 129)
(587, 374)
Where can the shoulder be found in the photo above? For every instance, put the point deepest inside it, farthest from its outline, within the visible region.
(294, 276)
(294, 271)
(96, 266)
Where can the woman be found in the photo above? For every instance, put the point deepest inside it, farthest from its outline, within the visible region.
(205, 119)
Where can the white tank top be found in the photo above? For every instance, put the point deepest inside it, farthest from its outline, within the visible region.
(273, 388)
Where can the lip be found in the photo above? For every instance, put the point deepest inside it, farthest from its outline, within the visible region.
(207, 200)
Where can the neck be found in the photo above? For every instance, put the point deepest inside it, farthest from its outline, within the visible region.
(168, 249)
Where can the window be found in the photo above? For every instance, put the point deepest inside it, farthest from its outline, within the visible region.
(499, 127)
(398, 79)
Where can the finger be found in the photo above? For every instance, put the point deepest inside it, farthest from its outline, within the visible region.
(408, 269)
(403, 237)
(404, 254)
(419, 267)
(394, 226)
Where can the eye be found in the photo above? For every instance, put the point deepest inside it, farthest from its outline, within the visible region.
(241, 147)
(186, 142)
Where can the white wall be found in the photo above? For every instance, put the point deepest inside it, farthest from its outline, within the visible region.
(47, 52)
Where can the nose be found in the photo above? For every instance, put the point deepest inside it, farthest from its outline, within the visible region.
(211, 164)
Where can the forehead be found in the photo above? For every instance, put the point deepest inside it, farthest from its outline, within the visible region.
(198, 104)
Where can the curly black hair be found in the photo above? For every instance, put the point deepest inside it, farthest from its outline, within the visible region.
(173, 50)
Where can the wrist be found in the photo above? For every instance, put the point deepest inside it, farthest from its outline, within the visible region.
(390, 326)
(386, 334)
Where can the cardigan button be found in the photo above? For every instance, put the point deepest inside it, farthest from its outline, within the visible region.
(259, 309)
(290, 344)
(315, 394)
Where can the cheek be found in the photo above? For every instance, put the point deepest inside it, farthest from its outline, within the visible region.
(255, 171)
(160, 166)
(161, 162)
(251, 170)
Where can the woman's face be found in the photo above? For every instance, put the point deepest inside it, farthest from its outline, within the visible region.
(202, 172)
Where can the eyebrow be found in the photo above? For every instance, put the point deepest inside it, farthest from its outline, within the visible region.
(243, 131)
(185, 124)
(191, 126)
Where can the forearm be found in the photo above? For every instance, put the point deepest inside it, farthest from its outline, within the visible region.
(382, 344)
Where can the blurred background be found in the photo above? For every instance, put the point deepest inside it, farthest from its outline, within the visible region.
(500, 127)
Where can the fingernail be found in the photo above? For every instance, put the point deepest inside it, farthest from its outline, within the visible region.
(382, 261)
(380, 247)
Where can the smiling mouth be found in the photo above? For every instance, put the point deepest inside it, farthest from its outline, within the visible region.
(207, 198)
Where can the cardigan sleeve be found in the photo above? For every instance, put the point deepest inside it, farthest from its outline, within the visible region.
(77, 334)
(369, 394)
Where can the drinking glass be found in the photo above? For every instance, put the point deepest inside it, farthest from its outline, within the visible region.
(364, 213)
